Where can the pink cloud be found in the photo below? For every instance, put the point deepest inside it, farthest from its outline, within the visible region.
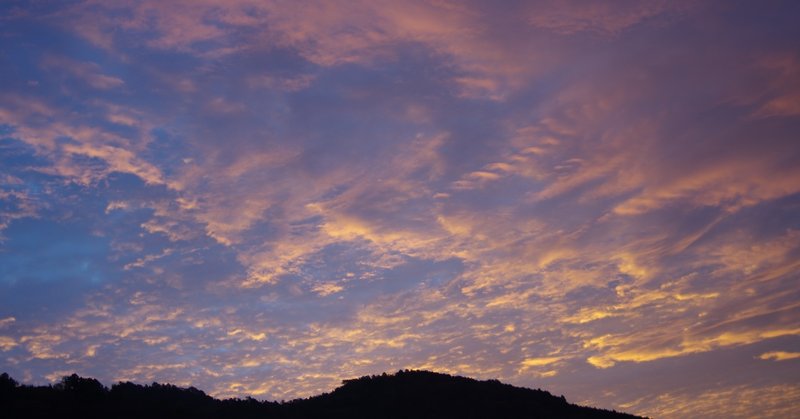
(88, 72)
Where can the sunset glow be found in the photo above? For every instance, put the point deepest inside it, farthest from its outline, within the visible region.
(600, 199)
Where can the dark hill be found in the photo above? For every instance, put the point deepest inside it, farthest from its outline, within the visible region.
(406, 394)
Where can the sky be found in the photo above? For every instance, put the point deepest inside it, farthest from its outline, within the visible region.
(600, 199)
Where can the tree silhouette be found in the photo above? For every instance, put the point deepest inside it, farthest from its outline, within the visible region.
(406, 394)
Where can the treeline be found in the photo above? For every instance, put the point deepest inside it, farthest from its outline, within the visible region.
(406, 394)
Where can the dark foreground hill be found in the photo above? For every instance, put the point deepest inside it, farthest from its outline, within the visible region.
(406, 394)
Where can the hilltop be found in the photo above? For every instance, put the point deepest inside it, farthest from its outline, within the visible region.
(405, 394)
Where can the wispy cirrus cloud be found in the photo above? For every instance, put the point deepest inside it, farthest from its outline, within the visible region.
(87, 72)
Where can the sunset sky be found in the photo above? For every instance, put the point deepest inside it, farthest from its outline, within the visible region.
(600, 199)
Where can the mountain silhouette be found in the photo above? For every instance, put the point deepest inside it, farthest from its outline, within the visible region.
(405, 394)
